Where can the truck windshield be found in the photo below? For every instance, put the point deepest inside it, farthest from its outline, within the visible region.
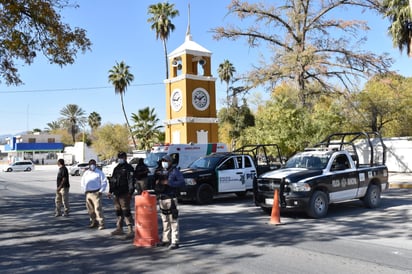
(152, 158)
(205, 162)
(308, 161)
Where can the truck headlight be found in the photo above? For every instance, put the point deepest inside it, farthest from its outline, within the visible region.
(296, 187)
(190, 181)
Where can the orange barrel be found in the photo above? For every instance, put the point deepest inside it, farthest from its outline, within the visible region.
(146, 227)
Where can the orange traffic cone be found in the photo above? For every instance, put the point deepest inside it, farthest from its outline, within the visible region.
(275, 216)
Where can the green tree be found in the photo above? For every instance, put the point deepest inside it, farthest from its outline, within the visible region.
(66, 138)
(110, 139)
(120, 77)
(146, 127)
(94, 120)
(284, 121)
(234, 120)
(73, 118)
(53, 125)
(161, 15)
(28, 28)
(309, 46)
(384, 105)
(225, 72)
(399, 13)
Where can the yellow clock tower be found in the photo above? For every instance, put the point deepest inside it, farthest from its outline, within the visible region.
(190, 95)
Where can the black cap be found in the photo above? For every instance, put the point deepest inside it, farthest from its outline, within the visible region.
(167, 158)
(122, 154)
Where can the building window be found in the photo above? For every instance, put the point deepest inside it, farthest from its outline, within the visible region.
(32, 140)
(51, 140)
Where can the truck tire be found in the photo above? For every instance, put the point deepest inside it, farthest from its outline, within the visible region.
(372, 198)
(204, 194)
(318, 205)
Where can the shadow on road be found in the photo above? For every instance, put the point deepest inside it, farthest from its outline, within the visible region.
(34, 241)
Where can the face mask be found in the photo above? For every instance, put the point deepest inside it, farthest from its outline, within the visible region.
(92, 167)
(120, 161)
(165, 165)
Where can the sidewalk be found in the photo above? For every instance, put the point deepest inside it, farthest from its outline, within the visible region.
(400, 180)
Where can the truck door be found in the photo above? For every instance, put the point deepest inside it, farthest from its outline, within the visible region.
(249, 172)
(344, 179)
(230, 175)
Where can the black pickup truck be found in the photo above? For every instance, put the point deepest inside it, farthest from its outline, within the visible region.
(342, 167)
(228, 172)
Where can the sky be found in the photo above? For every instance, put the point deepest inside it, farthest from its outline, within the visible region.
(119, 32)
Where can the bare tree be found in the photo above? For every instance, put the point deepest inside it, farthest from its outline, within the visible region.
(309, 46)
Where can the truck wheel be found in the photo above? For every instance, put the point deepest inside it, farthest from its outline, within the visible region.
(318, 205)
(9, 169)
(204, 194)
(372, 198)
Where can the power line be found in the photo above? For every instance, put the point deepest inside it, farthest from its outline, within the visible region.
(74, 89)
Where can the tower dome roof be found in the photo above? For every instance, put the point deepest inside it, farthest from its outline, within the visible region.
(190, 47)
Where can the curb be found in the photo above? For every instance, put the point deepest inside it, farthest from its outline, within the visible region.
(400, 185)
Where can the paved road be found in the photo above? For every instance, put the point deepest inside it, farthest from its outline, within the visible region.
(229, 236)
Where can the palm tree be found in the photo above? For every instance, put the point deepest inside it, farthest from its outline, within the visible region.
(53, 125)
(146, 127)
(121, 78)
(400, 15)
(73, 117)
(225, 71)
(94, 120)
(161, 14)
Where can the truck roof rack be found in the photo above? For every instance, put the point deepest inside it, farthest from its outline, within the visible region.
(256, 150)
(340, 141)
(320, 149)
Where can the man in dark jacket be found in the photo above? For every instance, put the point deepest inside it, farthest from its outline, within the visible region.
(141, 172)
(62, 191)
(122, 188)
(168, 180)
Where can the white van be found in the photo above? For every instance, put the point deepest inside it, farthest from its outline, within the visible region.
(25, 165)
(182, 154)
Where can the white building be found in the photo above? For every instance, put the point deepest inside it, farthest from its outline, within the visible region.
(78, 153)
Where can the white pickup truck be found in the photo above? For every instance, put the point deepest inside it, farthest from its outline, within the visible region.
(329, 172)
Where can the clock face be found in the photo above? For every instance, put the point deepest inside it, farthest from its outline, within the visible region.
(200, 99)
(176, 100)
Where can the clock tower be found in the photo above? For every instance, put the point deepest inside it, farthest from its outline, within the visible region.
(190, 95)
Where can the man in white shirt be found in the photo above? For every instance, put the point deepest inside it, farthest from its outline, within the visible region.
(94, 183)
